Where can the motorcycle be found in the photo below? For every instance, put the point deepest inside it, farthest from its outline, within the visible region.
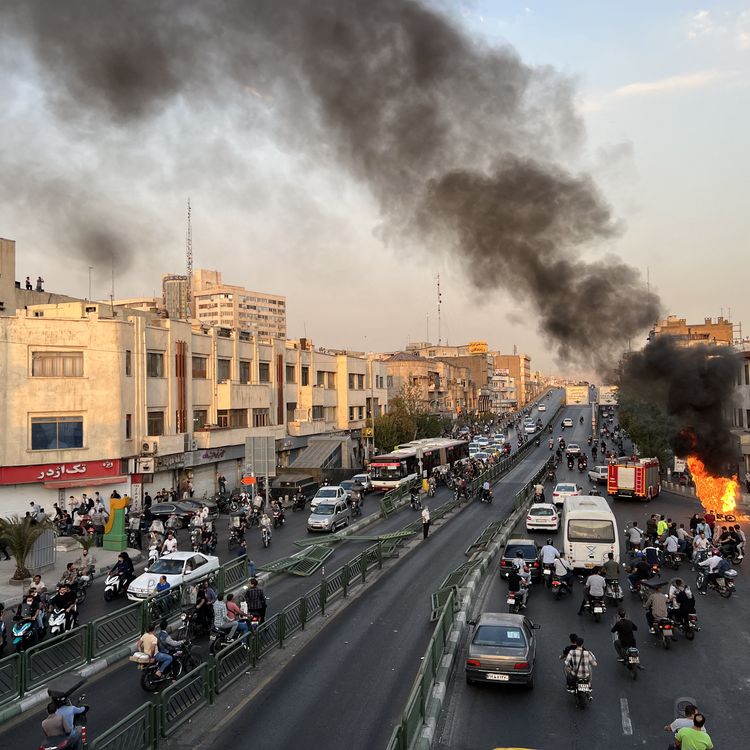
(415, 503)
(664, 630)
(595, 605)
(548, 573)
(114, 586)
(688, 625)
(183, 661)
(613, 590)
(278, 518)
(537, 442)
(57, 622)
(514, 601)
(153, 553)
(550, 444)
(356, 507)
(3, 634)
(723, 584)
(560, 587)
(60, 690)
(581, 466)
(24, 634)
(431, 489)
(672, 560)
(265, 535)
(570, 463)
(299, 502)
(589, 441)
(583, 692)
(632, 661)
(552, 476)
(195, 539)
(486, 496)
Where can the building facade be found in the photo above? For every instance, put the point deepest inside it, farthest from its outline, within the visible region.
(519, 368)
(174, 292)
(218, 304)
(741, 410)
(719, 331)
(96, 396)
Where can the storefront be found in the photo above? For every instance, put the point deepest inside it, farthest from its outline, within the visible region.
(54, 483)
(203, 468)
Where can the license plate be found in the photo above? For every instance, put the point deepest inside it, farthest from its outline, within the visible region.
(499, 677)
(598, 610)
(584, 688)
(547, 572)
(588, 565)
(667, 630)
(634, 660)
(511, 601)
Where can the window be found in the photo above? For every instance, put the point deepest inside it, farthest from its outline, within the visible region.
(56, 433)
(351, 413)
(330, 380)
(317, 412)
(57, 364)
(200, 417)
(360, 412)
(155, 423)
(291, 374)
(361, 382)
(390, 381)
(352, 380)
(200, 367)
(244, 371)
(155, 366)
(748, 417)
(291, 407)
(747, 374)
(232, 418)
(261, 418)
(128, 363)
(264, 372)
(320, 378)
(739, 418)
(223, 370)
(128, 427)
(305, 375)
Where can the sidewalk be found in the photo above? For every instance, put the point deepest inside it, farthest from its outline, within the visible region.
(11, 593)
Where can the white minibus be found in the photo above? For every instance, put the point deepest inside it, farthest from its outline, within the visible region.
(590, 531)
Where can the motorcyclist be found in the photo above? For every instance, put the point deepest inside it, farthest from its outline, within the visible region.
(671, 544)
(656, 606)
(549, 553)
(414, 498)
(256, 600)
(625, 630)
(611, 568)
(165, 643)
(518, 586)
(170, 544)
(681, 600)
(123, 568)
(716, 566)
(65, 598)
(60, 722)
(486, 490)
(221, 618)
(593, 588)
(28, 609)
(538, 493)
(204, 599)
(278, 510)
(640, 572)
(740, 539)
(564, 570)
(551, 443)
(579, 663)
(265, 523)
(652, 554)
(521, 567)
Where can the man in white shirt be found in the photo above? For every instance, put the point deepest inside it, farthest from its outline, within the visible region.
(594, 586)
(549, 553)
(700, 544)
(671, 544)
(564, 570)
(170, 544)
(635, 536)
(686, 721)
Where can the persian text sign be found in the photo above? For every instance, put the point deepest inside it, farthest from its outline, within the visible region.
(60, 471)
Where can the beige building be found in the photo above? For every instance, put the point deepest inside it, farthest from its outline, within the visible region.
(96, 397)
(174, 293)
(741, 411)
(218, 304)
(519, 368)
(719, 331)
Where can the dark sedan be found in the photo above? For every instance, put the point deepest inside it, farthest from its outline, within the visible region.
(184, 511)
(530, 553)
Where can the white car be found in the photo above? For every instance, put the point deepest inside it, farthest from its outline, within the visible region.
(567, 422)
(573, 449)
(177, 567)
(482, 441)
(329, 493)
(529, 428)
(598, 474)
(563, 490)
(474, 448)
(541, 407)
(365, 480)
(482, 456)
(499, 438)
(542, 516)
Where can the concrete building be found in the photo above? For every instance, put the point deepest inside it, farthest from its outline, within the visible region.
(442, 385)
(218, 304)
(741, 411)
(719, 331)
(7, 277)
(501, 393)
(519, 368)
(174, 292)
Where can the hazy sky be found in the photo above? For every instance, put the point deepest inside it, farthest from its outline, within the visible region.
(662, 89)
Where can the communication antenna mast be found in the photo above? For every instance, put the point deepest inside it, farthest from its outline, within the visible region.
(439, 301)
(189, 259)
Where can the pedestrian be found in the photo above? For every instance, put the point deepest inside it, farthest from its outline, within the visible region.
(29, 285)
(97, 518)
(425, 522)
(147, 500)
(39, 282)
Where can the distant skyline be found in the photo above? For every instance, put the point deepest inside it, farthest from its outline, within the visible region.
(661, 88)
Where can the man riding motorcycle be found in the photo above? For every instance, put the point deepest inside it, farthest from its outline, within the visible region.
(716, 565)
(593, 589)
(656, 606)
(65, 599)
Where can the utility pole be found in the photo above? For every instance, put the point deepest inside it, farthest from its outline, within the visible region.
(189, 259)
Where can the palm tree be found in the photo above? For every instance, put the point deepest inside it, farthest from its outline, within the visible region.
(19, 534)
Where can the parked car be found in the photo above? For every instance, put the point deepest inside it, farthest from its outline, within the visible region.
(329, 516)
(542, 516)
(328, 493)
(530, 556)
(365, 480)
(178, 568)
(502, 649)
(563, 490)
(598, 474)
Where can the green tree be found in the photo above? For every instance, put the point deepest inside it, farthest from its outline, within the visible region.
(19, 534)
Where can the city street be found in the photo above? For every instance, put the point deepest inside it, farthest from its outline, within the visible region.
(397, 607)
(624, 714)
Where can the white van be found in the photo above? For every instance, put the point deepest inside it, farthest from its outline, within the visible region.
(590, 531)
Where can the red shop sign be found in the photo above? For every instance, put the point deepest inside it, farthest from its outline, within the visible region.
(59, 472)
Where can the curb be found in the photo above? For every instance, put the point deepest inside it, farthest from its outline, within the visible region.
(137, 558)
(467, 593)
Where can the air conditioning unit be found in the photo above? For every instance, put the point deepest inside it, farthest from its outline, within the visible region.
(149, 447)
(145, 465)
(193, 445)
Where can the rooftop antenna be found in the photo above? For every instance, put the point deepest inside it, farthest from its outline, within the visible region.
(439, 302)
(189, 258)
(112, 289)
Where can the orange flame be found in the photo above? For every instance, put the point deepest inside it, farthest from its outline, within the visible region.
(717, 494)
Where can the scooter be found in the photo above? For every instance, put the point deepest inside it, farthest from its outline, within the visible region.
(24, 635)
(114, 586)
(58, 622)
(265, 536)
(664, 630)
(595, 605)
(613, 590)
(59, 690)
(723, 584)
(632, 661)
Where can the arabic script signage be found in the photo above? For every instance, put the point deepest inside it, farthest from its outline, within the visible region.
(59, 472)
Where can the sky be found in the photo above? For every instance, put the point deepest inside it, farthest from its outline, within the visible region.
(660, 88)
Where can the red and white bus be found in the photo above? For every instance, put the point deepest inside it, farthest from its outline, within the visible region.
(393, 469)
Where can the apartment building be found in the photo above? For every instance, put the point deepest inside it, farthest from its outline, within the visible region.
(174, 293)
(500, 396)
(218, 304)
(96, 396)
(719, 331)
(519, 368)
(741, 409)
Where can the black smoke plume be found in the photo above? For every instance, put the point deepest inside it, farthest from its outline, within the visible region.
(693, 388)
(459, 142)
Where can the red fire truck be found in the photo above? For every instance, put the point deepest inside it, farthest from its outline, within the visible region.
(638, 478)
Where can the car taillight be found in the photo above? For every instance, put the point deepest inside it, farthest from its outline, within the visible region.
(503, 564)
(555, 494)
(535, 564)
(521, 665)
(473, 663)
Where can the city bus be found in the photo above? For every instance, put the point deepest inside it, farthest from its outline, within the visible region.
(590, 531)
(393, 469)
